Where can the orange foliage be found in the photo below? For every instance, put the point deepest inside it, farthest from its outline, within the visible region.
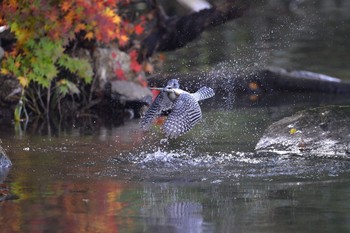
(62, 19)
(99, 20)
(139, 29)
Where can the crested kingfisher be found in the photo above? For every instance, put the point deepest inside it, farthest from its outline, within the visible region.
(185, 111)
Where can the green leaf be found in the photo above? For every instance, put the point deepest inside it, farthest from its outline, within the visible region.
(80, 67)
(65, 87)
(18, 112)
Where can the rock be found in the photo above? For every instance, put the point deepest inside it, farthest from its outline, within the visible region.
(299, 80)
(265, 80)
(132, 97)
(129, 91)
(113, 64)
(104, 66)
(10, 90)
(4, 160)
(321, 132)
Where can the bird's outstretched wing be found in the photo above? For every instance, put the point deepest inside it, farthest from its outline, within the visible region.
(203, 93)
(160, 104)
(185, 114)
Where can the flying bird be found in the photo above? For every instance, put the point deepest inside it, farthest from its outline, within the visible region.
(185, 111)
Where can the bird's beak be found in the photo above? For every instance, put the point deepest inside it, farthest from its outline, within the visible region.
(166, 89)
(157, 88)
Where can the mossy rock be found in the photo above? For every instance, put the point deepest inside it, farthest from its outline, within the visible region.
(321, 132)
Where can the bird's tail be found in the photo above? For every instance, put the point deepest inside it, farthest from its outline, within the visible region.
(203, 93)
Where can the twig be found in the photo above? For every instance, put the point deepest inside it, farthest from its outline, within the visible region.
(48, 102)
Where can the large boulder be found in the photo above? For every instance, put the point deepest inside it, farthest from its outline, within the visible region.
(129, 91)
(320, 132)
(10, 90)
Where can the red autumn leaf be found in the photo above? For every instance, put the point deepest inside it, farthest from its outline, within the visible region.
(114, 55)
(138, 29)
(135, 66)
(120, 74)
(109, 2)
(133, 55)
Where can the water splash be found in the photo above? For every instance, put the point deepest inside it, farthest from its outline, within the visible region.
(189, 158)
(189, 165)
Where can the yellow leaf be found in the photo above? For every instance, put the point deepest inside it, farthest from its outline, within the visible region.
(123, 39)
(79, 27)
(4, 71)
(63, 82)
(117, 19)
(23, 81)
(22, 35)
(93, 23)
(109, 12)
(110, 34)
(292, 131)
(89, 36)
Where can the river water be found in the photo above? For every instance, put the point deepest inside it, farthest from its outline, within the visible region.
(97, 176)
(102, 178)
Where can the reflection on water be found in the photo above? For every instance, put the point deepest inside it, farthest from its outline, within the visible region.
(109, 205)
(62, 207)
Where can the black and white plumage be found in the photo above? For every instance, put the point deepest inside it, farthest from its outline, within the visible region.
(185, 111)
